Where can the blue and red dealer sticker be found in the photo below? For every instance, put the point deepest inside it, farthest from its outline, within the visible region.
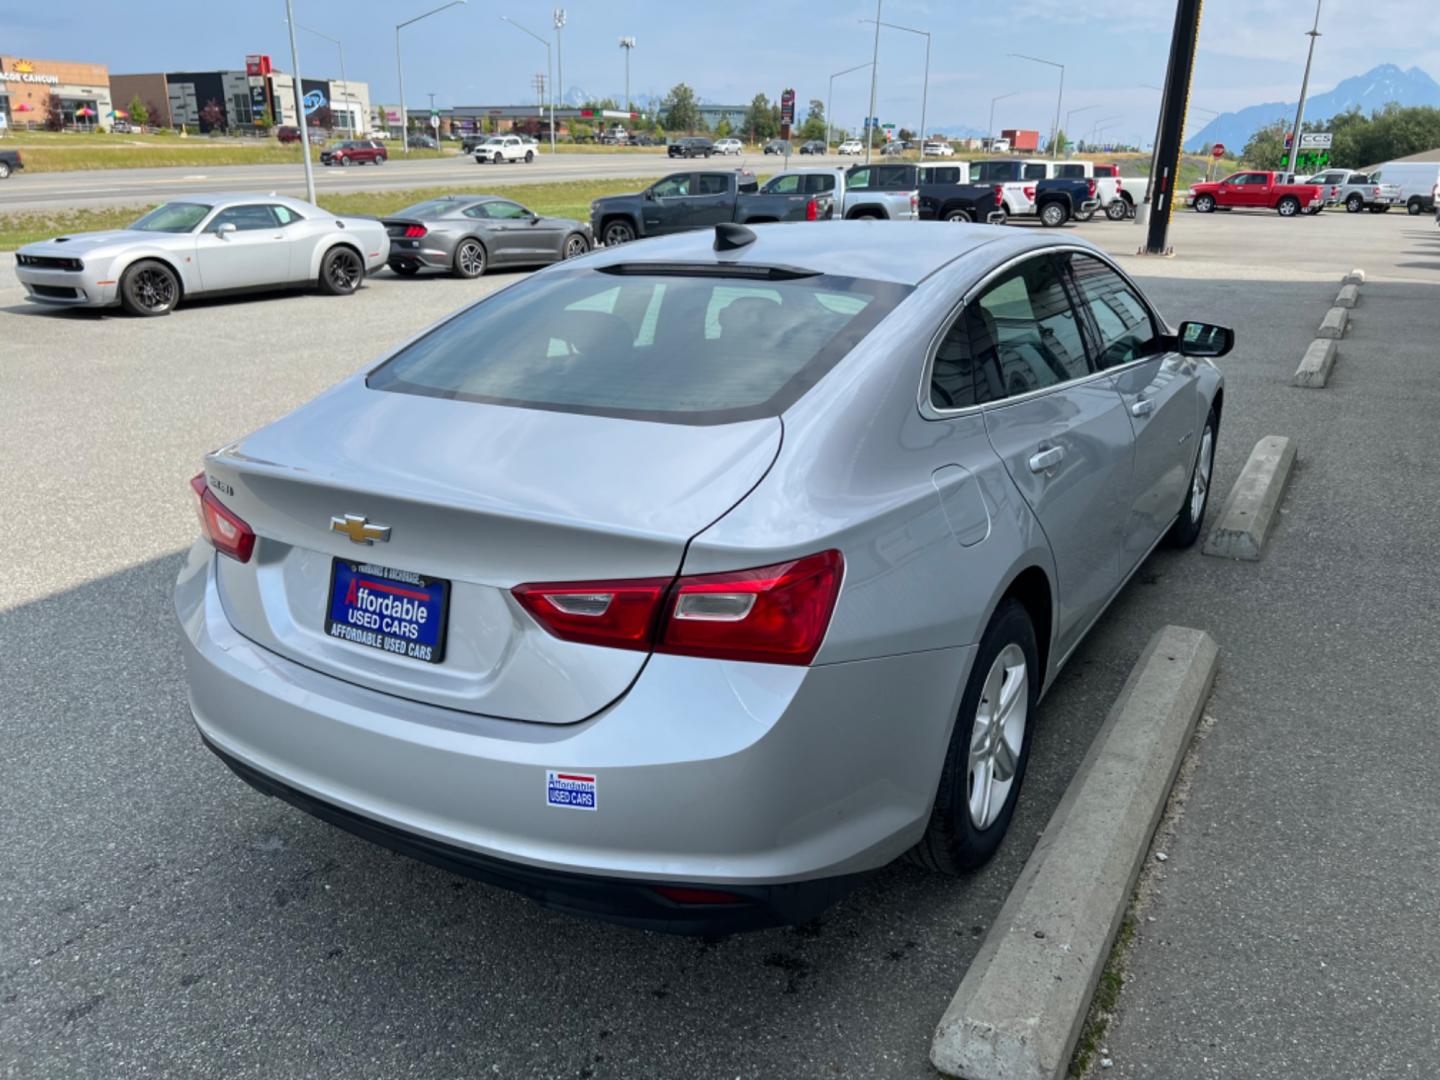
(570, 791)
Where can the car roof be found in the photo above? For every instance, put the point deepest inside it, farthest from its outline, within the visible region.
(904, 252)
(233, 198)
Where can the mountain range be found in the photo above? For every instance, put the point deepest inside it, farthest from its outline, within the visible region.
(1373, 90)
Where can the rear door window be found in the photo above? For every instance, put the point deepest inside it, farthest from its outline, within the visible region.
(784, 185)
(819, 184)
(714, 183)
(1024, 332)
(666, 347)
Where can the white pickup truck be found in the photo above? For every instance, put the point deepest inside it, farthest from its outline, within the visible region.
(1014, 182)
(500, 148)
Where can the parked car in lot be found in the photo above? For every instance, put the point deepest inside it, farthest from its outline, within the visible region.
(947, 194)
(939, 149)
(814, 146)
(777, 146)
(499, 149)
(881, 191)
(1256, 191)
(417, 141)
(1356, 191)
(11, 161)
(707, 605)
(1108, 187)
(692, 146)
(1416, 181)
(729, 146)
(468, 234)
(287, 134)
(354, 152)
(851, 146)
(698, 200)
(204, 245)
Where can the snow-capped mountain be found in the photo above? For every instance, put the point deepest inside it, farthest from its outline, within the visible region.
(1373, 90)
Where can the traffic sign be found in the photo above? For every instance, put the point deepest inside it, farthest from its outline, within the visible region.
(434, 120)
(1217, 151)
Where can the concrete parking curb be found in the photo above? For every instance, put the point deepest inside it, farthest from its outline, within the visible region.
(1021, 1005)
(1315, 365)
(1349, 296)
(1355, 277)
(1334, 323)
(1250, 510)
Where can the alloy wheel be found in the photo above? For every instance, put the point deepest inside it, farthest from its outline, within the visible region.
(154, 289)
(574, 247)
(470, 259)
(1200, 485)
(998, 736)
(344, 271)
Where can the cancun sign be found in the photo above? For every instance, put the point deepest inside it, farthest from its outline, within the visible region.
(25, 72)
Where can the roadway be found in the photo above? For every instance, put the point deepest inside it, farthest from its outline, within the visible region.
(137, 187)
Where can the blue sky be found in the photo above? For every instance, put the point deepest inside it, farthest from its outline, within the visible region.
(1250, 50)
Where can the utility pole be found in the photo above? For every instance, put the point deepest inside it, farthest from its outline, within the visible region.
(1165, 165)
(990, 131)
(400, 69)
(300, 105)
(627, 45)
(542, 41)
(830, 97)
(1313, 33)
(1059, 99)
(874, 70)
(559, 53)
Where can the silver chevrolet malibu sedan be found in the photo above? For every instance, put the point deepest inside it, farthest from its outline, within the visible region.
(682, 584)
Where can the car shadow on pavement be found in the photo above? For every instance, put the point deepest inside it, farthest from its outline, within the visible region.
(157, 902)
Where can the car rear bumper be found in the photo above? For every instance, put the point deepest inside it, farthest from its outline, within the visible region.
(778, 784)
(423, 254)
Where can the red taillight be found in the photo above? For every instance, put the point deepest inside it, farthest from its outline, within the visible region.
(914, 200)
(812, 210)
(771, 614)
(682, 895)
(414, 232)
(225, 531)
(1092, 189)
(1030, 193)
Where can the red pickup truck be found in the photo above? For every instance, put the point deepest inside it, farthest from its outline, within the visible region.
(1257, 190)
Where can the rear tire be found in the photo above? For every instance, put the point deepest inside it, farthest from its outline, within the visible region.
(1186, 529)
(470, 258)
(1415, 207)
(341, 271)
(989, 748)
(1204, 204)
(380, 160)
(345, 162)
(1289, 206)
(959, 217)
(1354, 204)
(4, 170)
(149, 288)
(1117, 210)
(529, 156)
(1053, 215)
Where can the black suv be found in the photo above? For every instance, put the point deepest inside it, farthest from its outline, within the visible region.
(814, 146)
(690, 147)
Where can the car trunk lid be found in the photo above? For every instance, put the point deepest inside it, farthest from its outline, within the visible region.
(482, 497)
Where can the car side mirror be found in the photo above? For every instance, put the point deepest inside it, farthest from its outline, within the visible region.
(224, 231)
(1204, 339)
(534, 219)
(649, 194)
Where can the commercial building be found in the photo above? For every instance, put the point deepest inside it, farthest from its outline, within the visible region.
(68, 93)
(475, 119)
(243, 97)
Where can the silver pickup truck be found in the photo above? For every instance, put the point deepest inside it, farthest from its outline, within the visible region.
(1356, 191)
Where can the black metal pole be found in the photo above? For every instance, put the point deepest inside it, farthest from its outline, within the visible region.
(1164, 174)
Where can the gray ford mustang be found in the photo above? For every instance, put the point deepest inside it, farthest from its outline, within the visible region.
(468, 234)
(204, 244)
(684, 583)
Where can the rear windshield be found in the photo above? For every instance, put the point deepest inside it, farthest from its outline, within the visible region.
(666, 347)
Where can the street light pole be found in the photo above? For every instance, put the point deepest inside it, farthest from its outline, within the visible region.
(1069, 115)
(627, 44)
(830, 97)
(874, 70)
(559, 18)
(990, 130)
(1059, 98)
(343, 79)
(542, 41)
(1313, 33)
(400, 69)
(300, 106)
(925, 89)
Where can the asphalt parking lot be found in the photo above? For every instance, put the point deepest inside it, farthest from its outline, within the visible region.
(157, 917)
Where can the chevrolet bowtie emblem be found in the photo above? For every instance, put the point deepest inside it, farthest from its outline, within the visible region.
(360, 530)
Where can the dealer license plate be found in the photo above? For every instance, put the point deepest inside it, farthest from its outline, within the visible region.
(396, 611)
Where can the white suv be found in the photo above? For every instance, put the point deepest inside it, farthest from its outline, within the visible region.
(852, 146)
(500, 148)
(939, 149)
(728, 146)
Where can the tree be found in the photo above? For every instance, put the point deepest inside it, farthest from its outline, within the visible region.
(681, 110)
(761, 119)
(814, 125)
(139, 114)
(1266, 148)
(212, 115)
(1062, 142)
(905, 135)
(722, 129)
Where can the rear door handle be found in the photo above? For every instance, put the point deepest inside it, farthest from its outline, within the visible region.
(1143, 407)
(1045, 460)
